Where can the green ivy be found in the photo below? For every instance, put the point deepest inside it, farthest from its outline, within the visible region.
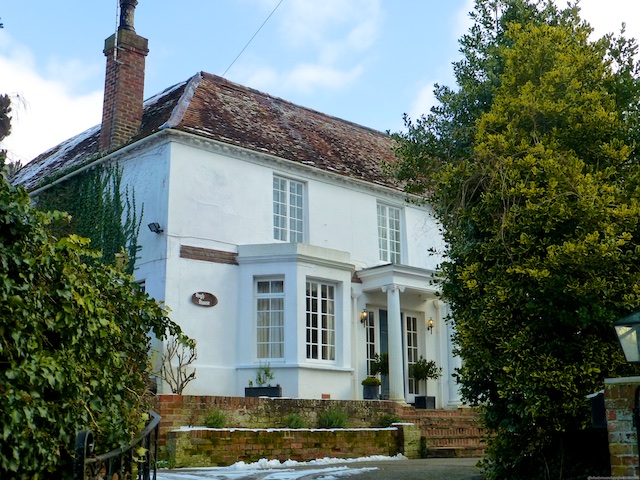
(99, 211)
(74, 343)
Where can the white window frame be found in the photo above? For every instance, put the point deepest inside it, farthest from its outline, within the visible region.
(288, 209)
(411, 343)
(370, 340)
(390, 227)
(269, 309)
(320, 314)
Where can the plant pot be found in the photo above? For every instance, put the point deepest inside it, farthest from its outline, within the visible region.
(263, 391)
(425, 402)
(370, 392)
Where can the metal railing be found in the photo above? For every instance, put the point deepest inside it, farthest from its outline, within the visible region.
(137, 460)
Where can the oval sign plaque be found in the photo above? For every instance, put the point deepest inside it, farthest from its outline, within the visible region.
(204, 299)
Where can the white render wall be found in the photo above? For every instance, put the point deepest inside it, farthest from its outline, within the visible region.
(221, 198)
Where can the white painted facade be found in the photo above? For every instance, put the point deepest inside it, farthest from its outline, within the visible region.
(220, 198)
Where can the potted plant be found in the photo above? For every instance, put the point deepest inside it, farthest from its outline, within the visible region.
(371, 388)
(380, 364)
(263, 379)
(424, 370)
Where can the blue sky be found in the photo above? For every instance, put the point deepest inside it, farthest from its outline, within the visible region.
(367, 61)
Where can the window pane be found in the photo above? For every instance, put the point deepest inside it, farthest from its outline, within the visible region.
(288, 210)
(320, 304)
(389, 233)
(270, 318)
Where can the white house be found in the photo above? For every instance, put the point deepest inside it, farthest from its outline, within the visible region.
(284, 215)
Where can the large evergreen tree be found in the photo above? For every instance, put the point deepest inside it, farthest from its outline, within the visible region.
(531, 167)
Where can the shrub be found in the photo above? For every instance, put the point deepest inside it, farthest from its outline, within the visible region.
(74, 348)
(387, 420)
(264, 375)
(295, 420)
(332, 418)
(216, 418)
(371, 382)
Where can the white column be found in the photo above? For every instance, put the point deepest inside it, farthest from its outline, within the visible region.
(454, 363)
(396, 357)
(442, 348)
(356, 390)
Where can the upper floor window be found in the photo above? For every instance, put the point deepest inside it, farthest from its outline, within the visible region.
(321, 321)
(270, 318)
(288, 210)
(389, 229)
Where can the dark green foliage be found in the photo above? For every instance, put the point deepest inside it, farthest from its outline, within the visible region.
(333, 418)
(532, 169)
(216, 418)
(295, 420)
(73, 344)
(380, 364)
(99, 211)
(387, 420)
(371, 382)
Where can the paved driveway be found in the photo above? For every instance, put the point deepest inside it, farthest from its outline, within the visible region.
(423, 469)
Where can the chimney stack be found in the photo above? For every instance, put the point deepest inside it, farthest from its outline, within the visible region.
(124, 81)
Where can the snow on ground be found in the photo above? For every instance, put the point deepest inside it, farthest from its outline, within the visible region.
(275, 470)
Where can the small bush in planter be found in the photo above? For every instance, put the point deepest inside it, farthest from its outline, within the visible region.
(380, 364)
(265, 375)
(371, 382)
(423, 370)
(332, 418)
(215, 419)
(263, 387)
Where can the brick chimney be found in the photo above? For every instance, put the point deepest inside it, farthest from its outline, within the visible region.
(124, 82)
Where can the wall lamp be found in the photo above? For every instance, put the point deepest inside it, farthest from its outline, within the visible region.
(363, 316)
(430, 325)
(155, 227)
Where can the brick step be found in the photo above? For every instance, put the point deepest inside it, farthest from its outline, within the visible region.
(454, 441)
(449, 433)
(455, 452)
(453, 433)
(449, 425)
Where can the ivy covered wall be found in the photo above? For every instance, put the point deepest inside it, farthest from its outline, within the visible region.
(100, 210)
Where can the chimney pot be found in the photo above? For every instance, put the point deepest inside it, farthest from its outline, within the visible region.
(127, 10)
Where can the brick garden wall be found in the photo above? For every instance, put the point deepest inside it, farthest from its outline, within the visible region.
(240, 441)
(242, 412)
(221, 447)
(623, 442)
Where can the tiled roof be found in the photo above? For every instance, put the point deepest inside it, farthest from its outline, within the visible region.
(215, 108)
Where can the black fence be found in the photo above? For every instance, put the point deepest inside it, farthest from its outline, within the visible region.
(136, 461)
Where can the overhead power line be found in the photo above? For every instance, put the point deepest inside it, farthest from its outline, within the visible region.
(251, 39)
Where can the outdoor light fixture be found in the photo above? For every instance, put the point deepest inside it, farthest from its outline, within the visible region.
(155, 227)
(627, 330)
(363, 315)
(430, 325)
